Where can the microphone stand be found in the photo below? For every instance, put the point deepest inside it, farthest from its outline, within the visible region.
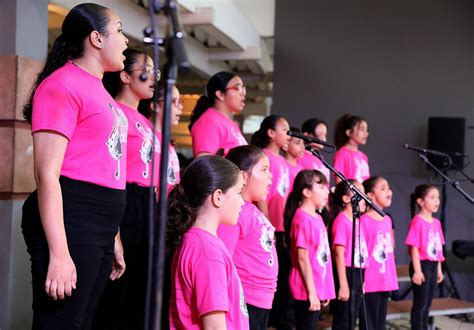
(177, 58)
(356, 198)
(453, 183)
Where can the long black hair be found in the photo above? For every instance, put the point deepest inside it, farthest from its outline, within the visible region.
(420, 192)
(309, 126)
(200, 179)
(217, 82)
(260, 138)
(112, 81)
(344, 123)
(77, 26)
(303, 180)
(245, 157)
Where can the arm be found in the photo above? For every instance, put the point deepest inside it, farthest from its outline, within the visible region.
(418, 277)
(306, 272)
(440, 276)
(49, 150)
(118, 264)
(202, 154)
(341, 273)
(214, 321)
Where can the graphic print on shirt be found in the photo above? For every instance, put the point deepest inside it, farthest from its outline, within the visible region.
(361, 251)
(434, 244)
(381, 249)
(266, 237)
(238, 136)
(323, 254)
(362, 169)
(243, 304)
(117, 136)
(173, 162)
(284, 181)
(146, 150)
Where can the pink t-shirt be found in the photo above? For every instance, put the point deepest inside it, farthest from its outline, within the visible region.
(309, 233)
(427, 237)
(342, 235)
(139, 152)
(252, 245)
(279, 189)
(381, 271)
(309, 162)
(204, 280)
(75, 104)
(214, 131)
(353, 164)
(293, 171)
(173, 173)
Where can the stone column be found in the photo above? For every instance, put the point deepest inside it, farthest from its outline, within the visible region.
(24, 35)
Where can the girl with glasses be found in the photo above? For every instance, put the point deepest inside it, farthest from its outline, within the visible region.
(212, 128)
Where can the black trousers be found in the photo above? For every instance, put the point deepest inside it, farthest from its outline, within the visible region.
(258, 317)
(280, 314)
(423, 295)
(122, 305)
(340, 309)
(376, 310)
(305, 319)
(91, 218)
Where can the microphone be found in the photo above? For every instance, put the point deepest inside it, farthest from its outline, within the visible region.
(426, 151)
(309, 139)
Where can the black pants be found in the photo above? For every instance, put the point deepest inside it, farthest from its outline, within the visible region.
(122, 305)
(91, 218)
(423, 295)
(258, 317)
(376, 310)
(305, 319)
(280, 314)
(340, 309)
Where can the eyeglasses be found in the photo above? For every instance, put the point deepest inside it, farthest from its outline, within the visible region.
(175, 100)
(238, 87)
(151, 71)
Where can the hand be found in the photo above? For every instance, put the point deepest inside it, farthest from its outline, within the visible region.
(343, 293)
(314, 303)
(418, 278)
(61, 278)
(440, 277)
(118, 264)
(325, 302)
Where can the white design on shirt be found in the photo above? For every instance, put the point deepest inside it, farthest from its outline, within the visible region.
(382, 248)
(323, 253)
(284, 181)
(243, 305)
(238, 136)
(361, 251)
(266, 237)
(172, 161)
(434, 244)
(362, 169)
(146, 150)
(117, 136)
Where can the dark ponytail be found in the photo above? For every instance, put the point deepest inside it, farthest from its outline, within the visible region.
(260, 138)
(344, 123)
(303, 180)
(420, 192)
(217, 82)
(335, 197)
(77, 26)
(112, 81)
(200, 179)
(245, 157)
